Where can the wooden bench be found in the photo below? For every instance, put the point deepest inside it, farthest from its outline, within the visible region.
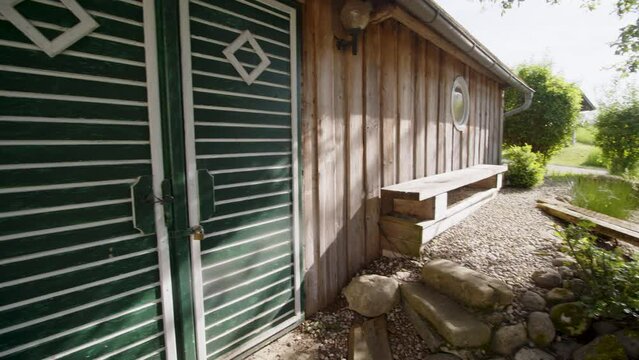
(416, 211)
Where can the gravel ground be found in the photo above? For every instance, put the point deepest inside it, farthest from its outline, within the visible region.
(508, 239)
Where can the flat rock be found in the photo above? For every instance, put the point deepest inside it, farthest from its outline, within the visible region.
(605, 327)
(563, 349)
(547, 278)
(422, 327)
(629, 339)
(606, 347)
(465, 285)
(532, 301)
(541, 329)
(372, 295)
(452, 322)
(560, 295)
(533, 354)
(369, 341)
(509, 338)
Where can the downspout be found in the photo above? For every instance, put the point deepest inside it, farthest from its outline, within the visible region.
(528, 97)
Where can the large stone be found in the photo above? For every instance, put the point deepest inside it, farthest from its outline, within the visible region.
(577, 286)
(532, 301)
(452, 322)
(541, 329)
(570, 318)
(467, 286)
(422, 327)
(629, 339)
(509, 338)
(547, 278)
(369, 341)
(605, 347)
(560, 295)
(564, 261)
(564, 349)
(605, 327)
(533, 354)
(372, 295)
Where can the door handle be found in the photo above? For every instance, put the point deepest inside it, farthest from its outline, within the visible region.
(206, 186)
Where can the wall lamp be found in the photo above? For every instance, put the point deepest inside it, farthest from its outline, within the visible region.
(354, 16)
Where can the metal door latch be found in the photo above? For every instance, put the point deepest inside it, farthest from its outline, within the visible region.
(197, 232)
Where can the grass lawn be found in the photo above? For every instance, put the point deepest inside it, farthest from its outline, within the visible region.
(586, 134)
(574, 155)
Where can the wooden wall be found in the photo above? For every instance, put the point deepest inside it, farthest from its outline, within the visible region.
(373, 120)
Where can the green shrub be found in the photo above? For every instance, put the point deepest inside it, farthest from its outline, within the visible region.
(618, 134)
(549, 122)
(525, 168)
(612, 281)
(594, 159)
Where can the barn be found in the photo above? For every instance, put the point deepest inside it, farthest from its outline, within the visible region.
(185, 179)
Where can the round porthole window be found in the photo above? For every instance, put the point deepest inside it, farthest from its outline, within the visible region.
(460, 103)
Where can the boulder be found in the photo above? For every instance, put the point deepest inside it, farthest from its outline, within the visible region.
(540, 329)
(560, 295)
(533, 354)
(532, 301)
(547, 278)
(629, 339)
(372, 295)
(509, 338)
(563, 349)
(467, 286)
(577, 286)
(606, 347)
(570, 318)
(566, 272)
(455, 324)
(563, 261)
(605, 327)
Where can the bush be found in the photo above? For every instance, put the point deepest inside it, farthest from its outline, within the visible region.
(549, 123)
(612, 281)
(618, 134)
(525, 168)
(595, 159)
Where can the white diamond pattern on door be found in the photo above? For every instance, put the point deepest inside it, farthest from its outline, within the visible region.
(240, 102)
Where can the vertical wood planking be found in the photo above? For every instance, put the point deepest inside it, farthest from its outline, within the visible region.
(339, 253)
(472, 119)
(445, 138)
(420, 108)
(465, 149)
(405, 98)
(389, 102)
(457, 136)
(501, 124)
(373, 148)
(356, 243)
(309, 158)
(432, 108)
(326, 153)
(482, 115)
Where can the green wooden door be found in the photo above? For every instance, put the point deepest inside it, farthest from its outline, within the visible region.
(240, 99)
(79, 127)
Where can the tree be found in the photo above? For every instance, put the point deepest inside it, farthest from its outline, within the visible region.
(550, 120)
(618, 133)
(627, 43)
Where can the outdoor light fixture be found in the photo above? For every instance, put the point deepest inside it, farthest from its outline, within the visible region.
(354, 17)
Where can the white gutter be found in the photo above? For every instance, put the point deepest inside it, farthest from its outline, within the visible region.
(439, 20)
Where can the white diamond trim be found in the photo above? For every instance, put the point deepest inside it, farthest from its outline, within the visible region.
(51, 47)
(229, 53)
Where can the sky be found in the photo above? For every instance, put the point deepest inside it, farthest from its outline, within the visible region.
(574, 39)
